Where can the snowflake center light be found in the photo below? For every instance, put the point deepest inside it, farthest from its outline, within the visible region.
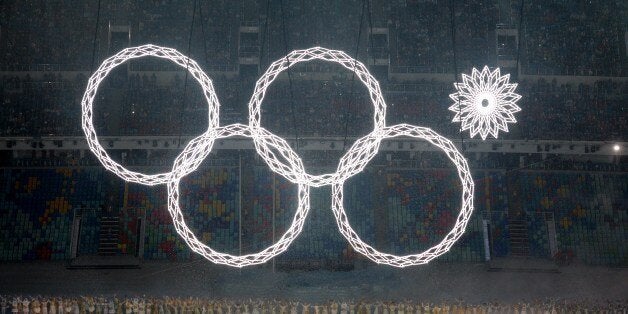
(485, 103)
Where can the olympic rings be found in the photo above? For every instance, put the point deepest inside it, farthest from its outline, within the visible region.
(109, 64)
(279, 156)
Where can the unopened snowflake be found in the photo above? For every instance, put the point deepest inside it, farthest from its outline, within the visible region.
(485, 102)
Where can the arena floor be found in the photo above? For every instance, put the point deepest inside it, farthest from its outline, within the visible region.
(435, 282)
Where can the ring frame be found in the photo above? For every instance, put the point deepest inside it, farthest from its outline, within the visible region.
(199, 149)
(101, 73)
(461, 222)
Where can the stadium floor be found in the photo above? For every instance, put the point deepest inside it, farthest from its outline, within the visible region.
(434, 282)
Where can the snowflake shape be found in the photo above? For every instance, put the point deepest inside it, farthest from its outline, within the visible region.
(485, 102)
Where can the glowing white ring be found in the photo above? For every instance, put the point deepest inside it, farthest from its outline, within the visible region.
(463, 217)
(315, 53)
(198, 149)
(102, 72)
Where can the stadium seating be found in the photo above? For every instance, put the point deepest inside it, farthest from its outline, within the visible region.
(587, 209)
(587, 41)
(38, 205)
(584, 39)
(550, 110)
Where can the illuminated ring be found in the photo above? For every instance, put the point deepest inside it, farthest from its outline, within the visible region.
(461, 222)
(102, 72)
(197, 150)
(297, 56)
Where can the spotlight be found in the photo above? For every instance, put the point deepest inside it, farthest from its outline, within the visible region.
(616, 147)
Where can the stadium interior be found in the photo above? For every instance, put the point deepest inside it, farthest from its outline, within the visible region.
(548, 233)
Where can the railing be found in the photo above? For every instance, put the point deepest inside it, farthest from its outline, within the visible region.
(420, 69)
(43, 67)
(504, 26)
(167, 67)
(58, 85)
(397, 88)
(249, 23)
(85, 228)
(538, 225)
(46, 163)
(379, 53)
(527, 69)
(319, 68)
(535, 69)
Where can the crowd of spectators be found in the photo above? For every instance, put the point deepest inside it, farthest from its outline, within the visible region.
(576, 38)
(147, 305)
(304, 108)
(424, 34)
(560, 38)
(34, 33)
(322, 161)
(47, 106)
(39, 33)
(573, 112)
(168, 23)
(584, 38)
(321, 109)
(149, 109)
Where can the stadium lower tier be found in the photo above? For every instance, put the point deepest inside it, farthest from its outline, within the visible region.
(546, 214)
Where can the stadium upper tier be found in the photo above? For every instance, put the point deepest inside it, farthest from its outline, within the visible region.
(139, 106)
(555, 37)
(59, 38)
